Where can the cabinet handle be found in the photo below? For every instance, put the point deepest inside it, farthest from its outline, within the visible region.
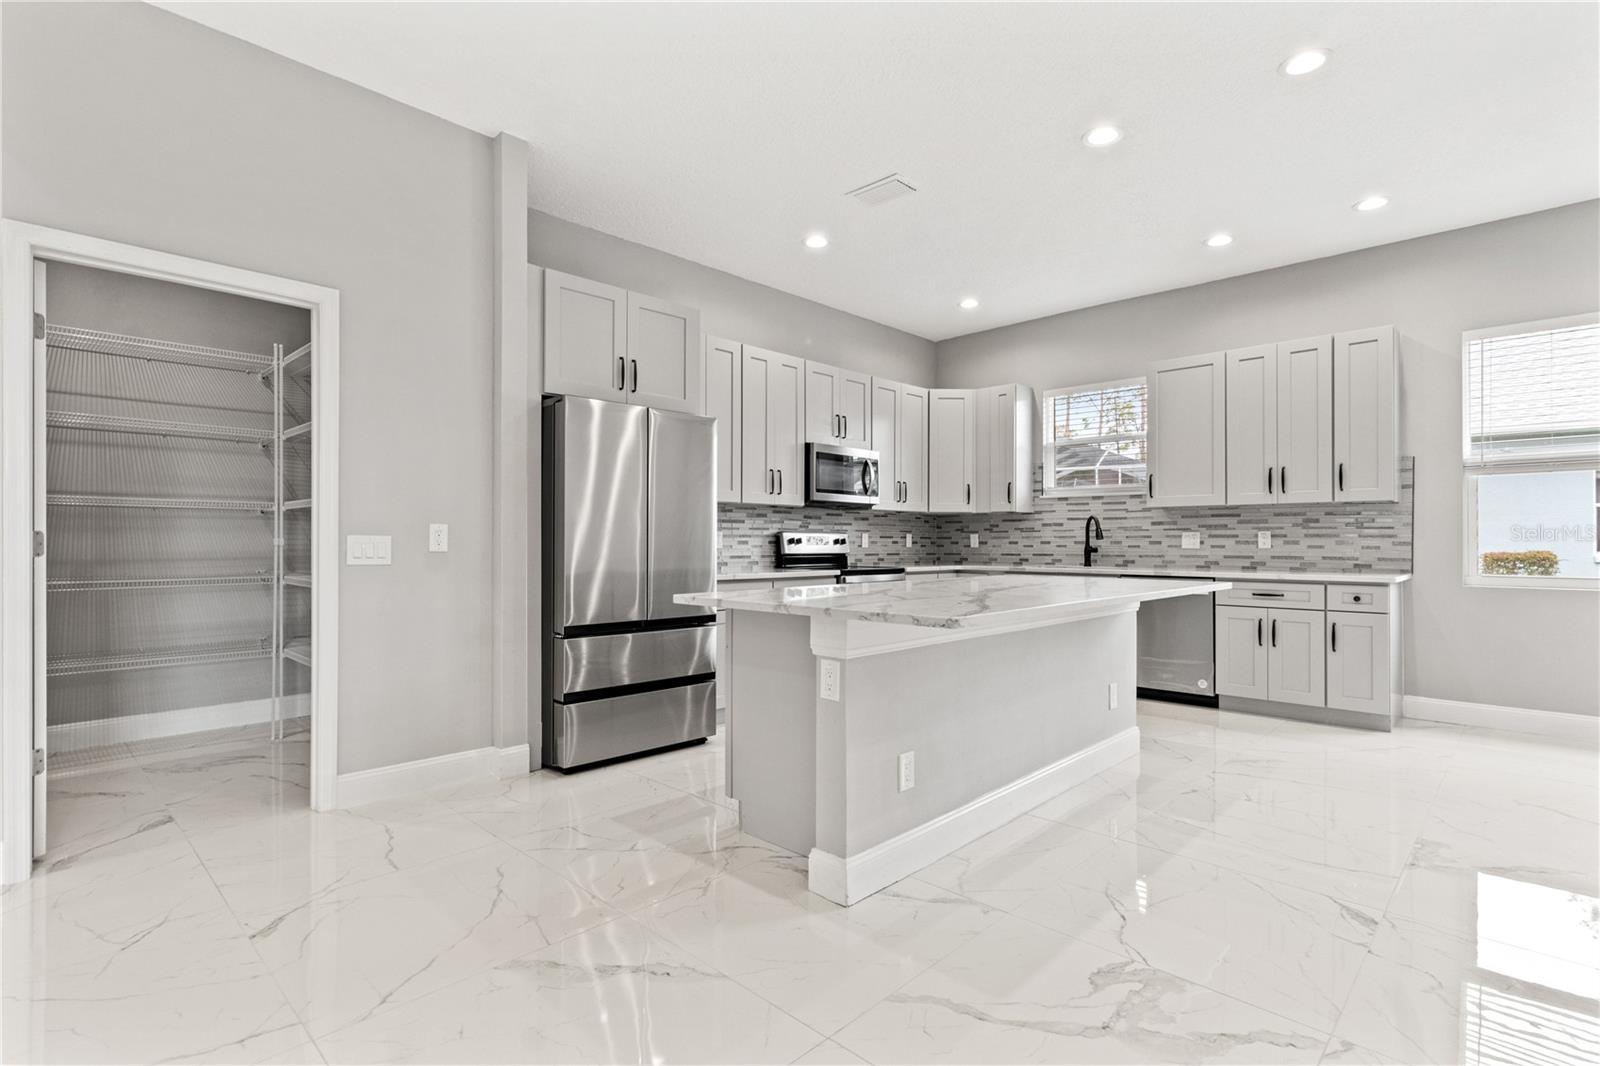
(969, 492)
(1260, 640)
(1008, 492)
(635, 375)
(846, 433)
(769, 481)
(780, 481)
(1273, 595)
(1341, 477)
(1333, 636)
(1269, 481)
(1283, 480)
(622, 372)
(1274, 632)
(1150, 483)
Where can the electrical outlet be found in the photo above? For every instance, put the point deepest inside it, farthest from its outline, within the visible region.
(972, 541)
(363, 550)
(1191, 540)
(438, 537)
(908, 771)
(908, 540)
(1111, 696)
(830, 679)
(1264, 539)
(866, 539)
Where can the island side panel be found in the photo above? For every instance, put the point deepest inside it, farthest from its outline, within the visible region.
(772, 729)
(979, 714)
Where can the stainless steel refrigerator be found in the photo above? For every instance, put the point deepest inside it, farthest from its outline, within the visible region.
(629, 521)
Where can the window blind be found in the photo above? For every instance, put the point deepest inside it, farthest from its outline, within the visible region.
(1533, 397)
(1094, 436)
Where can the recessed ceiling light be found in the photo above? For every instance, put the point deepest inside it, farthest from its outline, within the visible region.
(1372, 203)
(1219, 240)
(969, 303)
(1102, 136)
(816, 241)
(1304, 62)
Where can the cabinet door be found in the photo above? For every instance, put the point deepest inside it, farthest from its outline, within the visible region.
(663, 355)
(1187, 432)
(911, 448)
(852, 398)
(725, 403)
(786, 414)
(1295, 663)
(1358, 662)
(822, 416)
(1305, 420)
(997, 449)
(585, 337)
(1252, 424)
(1241, 651)
(1366, 415)
(757, 475)
(952, 449)
(883, 439)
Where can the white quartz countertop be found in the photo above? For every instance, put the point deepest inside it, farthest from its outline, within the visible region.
(965, 602)
(1359, 578)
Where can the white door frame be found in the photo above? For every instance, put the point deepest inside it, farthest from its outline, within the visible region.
(20, 244)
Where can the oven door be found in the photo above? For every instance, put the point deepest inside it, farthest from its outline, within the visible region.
(841, 475)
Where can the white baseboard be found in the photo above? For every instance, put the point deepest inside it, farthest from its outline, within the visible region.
(99, 732)
(407, 778)
(1555, 724)
(850, 880)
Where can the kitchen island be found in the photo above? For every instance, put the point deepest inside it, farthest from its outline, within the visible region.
(876, 728)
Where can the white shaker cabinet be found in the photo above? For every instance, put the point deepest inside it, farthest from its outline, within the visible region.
(663, 355)
(1358, 662)
(1304, 412)
(1241, 652)
(1252, 418)
(772, 441)
(585, 337)
(900, 437)
(724, 401)
(1187, 431)
(838, 406)
(952, 450)
(1366, 415)
(1295, 663)
(1007, 429)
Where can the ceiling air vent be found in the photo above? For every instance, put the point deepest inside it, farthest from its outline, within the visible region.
(882, 191)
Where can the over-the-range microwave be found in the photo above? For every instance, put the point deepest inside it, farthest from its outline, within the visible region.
(841, 475)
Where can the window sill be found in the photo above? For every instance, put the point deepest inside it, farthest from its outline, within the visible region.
(1098, 490)
(1524, 583)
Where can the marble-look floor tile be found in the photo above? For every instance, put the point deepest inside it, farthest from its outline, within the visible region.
(1425, 996)
(347, 953)
(829, 1053)
(613, 994)
(516, 807)
(1019, 993)
(822, 963)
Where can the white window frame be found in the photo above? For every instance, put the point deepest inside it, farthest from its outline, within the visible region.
(1047, 443)
(1472, 471)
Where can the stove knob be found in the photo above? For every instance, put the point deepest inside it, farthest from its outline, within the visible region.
(838, 540)
(794, 540)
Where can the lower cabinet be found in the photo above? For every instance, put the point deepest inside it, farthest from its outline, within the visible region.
(1265, 653)
(1358, 661)
(1241, 636)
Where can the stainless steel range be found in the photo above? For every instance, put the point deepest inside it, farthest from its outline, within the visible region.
(802, 550)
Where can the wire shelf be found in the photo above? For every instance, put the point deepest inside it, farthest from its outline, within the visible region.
(117, 584)
(294, 364)
(298, 650)
(154, 427)
(202, 654)
(298, 580)
(297, 505)
(166, 503)
(296, 432)
(98, 342)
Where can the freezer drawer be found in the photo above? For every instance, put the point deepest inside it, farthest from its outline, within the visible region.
(587, 664)
(576, 734)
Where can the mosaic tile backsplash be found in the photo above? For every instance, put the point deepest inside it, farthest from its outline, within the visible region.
(1327, 537)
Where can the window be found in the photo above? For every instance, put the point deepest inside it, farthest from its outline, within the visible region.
(1531, 453)
(1094, 438)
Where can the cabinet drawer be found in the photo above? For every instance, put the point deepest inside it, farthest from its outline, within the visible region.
(1370, 598)
(1274, 594)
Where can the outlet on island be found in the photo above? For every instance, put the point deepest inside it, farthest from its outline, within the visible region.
(908, 770)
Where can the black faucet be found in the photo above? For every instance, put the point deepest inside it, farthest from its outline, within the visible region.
(1089, 550)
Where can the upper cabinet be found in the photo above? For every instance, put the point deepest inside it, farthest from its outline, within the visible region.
(952, 450)
(609, 344)
(1366, 415)
(724, 377)
(1008, 427)
(772, 443)
(838, 406)
(1187, 431)
(900, 437)
(1280, 423)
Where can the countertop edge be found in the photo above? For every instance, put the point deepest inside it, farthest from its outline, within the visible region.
(1314, 577)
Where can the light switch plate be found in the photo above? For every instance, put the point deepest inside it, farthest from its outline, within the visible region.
(972, 541)
(908, 540)
(438, 537)
(866, 539)
(1264, 539)
(1191, 540)
(366, 550)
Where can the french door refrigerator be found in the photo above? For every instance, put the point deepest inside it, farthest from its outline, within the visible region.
(629, 521)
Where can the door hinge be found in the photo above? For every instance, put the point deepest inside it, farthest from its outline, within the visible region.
(38, 326)
(38, 761)
(38, 543)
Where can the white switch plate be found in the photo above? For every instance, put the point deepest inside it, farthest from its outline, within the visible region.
(865, 539)
(908, 540)
(438, 537)
(1264, 539)
(1191, 540)
(1111, 696)
(830, 679)
(366, 550)
(972, 541)
(908, 771)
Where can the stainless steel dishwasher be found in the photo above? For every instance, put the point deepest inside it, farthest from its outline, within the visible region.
(1176, 651)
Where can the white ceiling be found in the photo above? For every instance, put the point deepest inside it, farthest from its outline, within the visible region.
(725, 133)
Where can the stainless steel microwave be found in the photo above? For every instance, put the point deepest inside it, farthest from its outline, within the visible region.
(841, 475)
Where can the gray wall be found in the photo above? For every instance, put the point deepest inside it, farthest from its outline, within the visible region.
(1510, 647)
(129, 123)
(730, 306)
